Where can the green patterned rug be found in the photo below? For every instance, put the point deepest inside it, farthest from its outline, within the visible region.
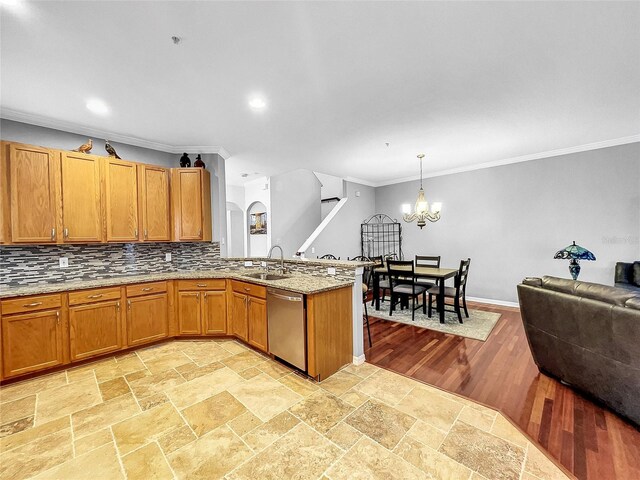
(478, 326)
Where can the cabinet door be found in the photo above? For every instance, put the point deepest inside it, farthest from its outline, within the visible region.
(31, 341)
(239, 315)
(81, 198)
(214, 312)
(121, 200)
(189, 322)
(95, 329)
(154, 207)
(257, 316)
(187, 204)
(33, 173)
(147, 319)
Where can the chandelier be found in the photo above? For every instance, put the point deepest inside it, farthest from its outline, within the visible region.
(422, 212)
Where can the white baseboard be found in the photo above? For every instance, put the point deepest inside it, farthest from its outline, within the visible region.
(490, 301)
(359, 360)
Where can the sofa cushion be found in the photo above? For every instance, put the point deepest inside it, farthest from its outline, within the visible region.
(633, 302)
(604, 293)
(636, 274)
(563, 285)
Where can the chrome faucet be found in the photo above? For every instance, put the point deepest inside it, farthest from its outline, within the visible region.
(282, 269)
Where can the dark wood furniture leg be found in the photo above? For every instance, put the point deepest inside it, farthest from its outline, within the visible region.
(441, 301)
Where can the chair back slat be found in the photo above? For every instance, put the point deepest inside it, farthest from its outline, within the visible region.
(428, 261)
(462, 276)
(400, 271)
(329, 256)
(359, 258)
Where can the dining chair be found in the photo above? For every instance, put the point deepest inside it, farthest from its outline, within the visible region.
(457, 292)
(383, 283)
(431, 262)
(328, 256)
(366, 279)
(403, 285)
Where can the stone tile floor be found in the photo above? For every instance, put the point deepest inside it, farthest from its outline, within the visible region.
(216, 409)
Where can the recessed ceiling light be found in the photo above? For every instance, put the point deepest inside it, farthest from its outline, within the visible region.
(97, 106)
(257, 103)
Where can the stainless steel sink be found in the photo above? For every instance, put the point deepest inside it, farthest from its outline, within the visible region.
(266, 276)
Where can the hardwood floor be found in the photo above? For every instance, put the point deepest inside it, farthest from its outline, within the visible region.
(587, 439)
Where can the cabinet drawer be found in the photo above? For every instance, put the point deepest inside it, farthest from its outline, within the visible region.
(249, 289)
(94, 295)
(146, 288)
(31, 304)
(206, 284)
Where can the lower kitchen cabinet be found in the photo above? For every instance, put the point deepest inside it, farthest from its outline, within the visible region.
(214, 312)
(189, 313)
(239, 320)
(257, 320)
(147, 319)
(32, 341)
(94, 329)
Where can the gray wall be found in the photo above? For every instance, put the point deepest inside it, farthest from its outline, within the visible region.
(342, 236)
(48, 137)
(295, 209)
(510, 220)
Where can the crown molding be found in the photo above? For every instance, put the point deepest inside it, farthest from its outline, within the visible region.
(361, 181)
(70, 127)
(524, 158)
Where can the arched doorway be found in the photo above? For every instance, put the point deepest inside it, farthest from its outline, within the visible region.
(257, 242)
(235, 230)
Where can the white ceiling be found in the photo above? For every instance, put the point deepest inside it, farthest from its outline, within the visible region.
(465, 83)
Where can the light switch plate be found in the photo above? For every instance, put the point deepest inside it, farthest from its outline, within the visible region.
(64, 262)
(331, 271)
(313, 249)
(167, 257)
(248, 263)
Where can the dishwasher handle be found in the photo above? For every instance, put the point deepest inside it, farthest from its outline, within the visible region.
(285, 297)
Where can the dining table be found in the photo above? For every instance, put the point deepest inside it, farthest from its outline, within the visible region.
(439, 274)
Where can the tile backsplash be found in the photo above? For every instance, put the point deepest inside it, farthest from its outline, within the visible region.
(24, 265)
(30, 265)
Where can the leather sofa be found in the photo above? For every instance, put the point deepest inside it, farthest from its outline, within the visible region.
(627, 275)
(588, 336)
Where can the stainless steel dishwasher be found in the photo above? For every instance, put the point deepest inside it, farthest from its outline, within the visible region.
(287, 327)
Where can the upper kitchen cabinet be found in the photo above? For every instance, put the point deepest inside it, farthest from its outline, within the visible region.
(121, 200)
(155, 212)
(29, 179)
(191, 204)
(81, 198)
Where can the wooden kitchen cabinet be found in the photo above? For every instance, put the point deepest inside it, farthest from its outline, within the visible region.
(191, 204)
(29, 194)
(95, 329)
(257, 322)
(82, 211)
(202, 307)
(249, 313)
(154, 206)
(147, 318)
(189, 313)
(121, 200)
(33, 340)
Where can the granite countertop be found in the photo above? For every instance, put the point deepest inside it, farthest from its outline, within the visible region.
(306, 261)
(295, 282)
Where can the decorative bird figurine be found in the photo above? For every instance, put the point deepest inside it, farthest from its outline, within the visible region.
(110, 150)
(85, 147)
(199, 163)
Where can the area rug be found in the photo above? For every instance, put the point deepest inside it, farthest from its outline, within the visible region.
(478, 326)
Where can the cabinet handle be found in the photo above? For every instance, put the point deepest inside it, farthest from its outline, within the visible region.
(146, 235)
(57, 318)
(129, 304)
(201, 284)
(97, 295)
(200, 232)
(247, 289)
(135, 233)
(53, 234)
(147, 289)
(34, 304)
(205, 294)
(118, 306)
(66, 233)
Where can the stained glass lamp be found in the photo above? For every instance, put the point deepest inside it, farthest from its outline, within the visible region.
(574, 253)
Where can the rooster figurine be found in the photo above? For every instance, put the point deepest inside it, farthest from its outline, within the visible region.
(110, 150)
(85, 147)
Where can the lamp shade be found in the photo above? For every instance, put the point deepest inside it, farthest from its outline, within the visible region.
(574, 252)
